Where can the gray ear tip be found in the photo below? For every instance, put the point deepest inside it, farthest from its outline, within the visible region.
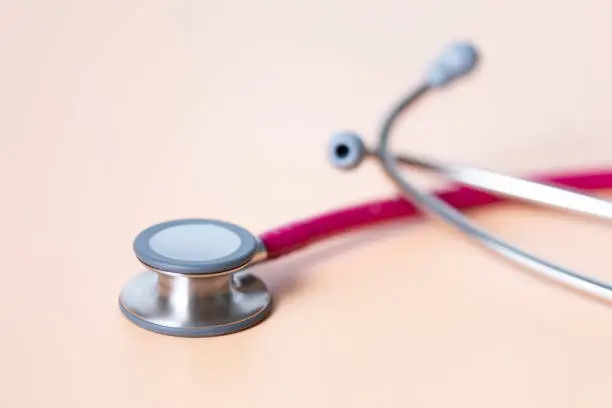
(465, 46)
(346, 150)
(456, 60)
(467, 52)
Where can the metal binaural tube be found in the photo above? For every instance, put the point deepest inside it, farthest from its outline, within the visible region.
(533, 191)
(454, 218)
(455, 62)
(433, 205)
(515, 187)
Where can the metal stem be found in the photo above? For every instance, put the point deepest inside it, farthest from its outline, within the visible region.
(431, 204)
(514, 187)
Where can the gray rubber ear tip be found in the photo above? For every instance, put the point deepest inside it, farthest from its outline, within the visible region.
(456, 60)
(346, 150)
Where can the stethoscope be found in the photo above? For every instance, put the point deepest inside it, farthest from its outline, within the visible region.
(196, 281)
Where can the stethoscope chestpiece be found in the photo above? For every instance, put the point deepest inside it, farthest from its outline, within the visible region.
(195, 285)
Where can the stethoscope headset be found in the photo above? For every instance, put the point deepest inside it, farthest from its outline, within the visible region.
(196, 283)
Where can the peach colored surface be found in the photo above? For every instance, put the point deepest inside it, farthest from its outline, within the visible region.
(119, 114)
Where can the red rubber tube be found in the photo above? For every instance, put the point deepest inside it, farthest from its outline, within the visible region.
(291, 237)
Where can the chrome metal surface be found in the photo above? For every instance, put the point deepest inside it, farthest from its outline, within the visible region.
(211, 299)
(514, 187)
(500, 184)
(457, 62)
(195, 307)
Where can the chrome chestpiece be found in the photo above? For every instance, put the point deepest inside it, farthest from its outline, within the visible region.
(195, 285)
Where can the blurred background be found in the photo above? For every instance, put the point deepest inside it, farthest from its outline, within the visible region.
(118, 102)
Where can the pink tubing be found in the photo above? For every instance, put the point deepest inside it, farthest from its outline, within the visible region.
(291, 237)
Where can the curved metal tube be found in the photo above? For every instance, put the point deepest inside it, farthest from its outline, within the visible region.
(516, 187)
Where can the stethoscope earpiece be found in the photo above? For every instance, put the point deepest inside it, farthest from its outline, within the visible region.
(346, 150)
(455, 61)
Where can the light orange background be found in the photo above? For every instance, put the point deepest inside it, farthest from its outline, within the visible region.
(115, 115)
